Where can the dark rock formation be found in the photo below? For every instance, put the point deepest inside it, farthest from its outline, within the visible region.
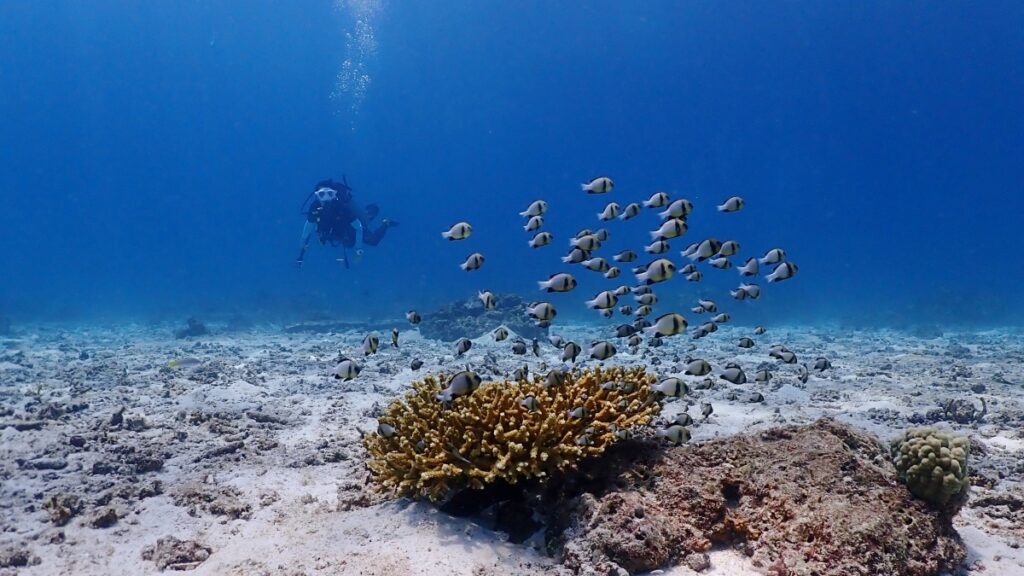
(193, 328)
(821, 499)
(468, 318)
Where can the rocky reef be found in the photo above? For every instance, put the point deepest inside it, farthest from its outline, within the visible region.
(505, 431)
(822, 499)
(469, 319)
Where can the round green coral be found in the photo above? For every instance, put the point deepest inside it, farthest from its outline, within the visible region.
(933, 465)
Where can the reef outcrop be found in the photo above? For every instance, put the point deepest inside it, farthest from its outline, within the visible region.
(822, 499)
(469, 319)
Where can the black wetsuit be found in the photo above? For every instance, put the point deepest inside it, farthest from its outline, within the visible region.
(334, 220)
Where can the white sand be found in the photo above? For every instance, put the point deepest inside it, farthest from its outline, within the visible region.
(305, 516)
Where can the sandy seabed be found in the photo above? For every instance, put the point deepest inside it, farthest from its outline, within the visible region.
(253, 459)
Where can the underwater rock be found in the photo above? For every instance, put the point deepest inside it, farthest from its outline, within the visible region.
(957, 410)
(193, 328)
(216, 500)
(174, 554)
(63, 507)
(820, 499)
(104, 518)
(468, 319)
(11, 557)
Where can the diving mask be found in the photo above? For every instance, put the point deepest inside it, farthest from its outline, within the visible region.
(326, 194)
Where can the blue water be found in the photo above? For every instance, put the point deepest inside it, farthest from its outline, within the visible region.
(154, 156)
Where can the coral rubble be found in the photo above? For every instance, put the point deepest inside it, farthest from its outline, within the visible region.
(821, 499)
(508, 431)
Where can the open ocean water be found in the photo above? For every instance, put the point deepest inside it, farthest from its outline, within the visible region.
(154, 157)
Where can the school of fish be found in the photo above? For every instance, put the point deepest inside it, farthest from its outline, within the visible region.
(671, 223)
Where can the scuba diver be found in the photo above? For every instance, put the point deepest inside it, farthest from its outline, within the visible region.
(339, 221)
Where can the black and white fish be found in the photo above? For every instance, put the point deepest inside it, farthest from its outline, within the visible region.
(667, 325)
(722, 263)
(488, 299)
(603, 301)
(541, 311)
(530, 403)
(459, 231)
(599, 185)
(657, 247)
(708, 305)
(625, 256)
(601, 350)
(589, 242)
(460, 384)
(698, 367)
(630, 211)
(570, 352)
(671, 387)
(674, 434)
(575, 256)
(671, 228)
(734, 375)
(733, 204)
(646, 299)
(729, 248)
(561, 282)
(783, 271)
(773, 256)
(370, 343)
(346, 369)
(657, 200)
(611, 211)
(536, 208)
(473, 262)
(679, 209)
(657, 271)
(748, 269)
(597, 264)
(541, 239)
(703, 250)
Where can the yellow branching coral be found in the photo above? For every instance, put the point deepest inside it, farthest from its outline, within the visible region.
(431, 448)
